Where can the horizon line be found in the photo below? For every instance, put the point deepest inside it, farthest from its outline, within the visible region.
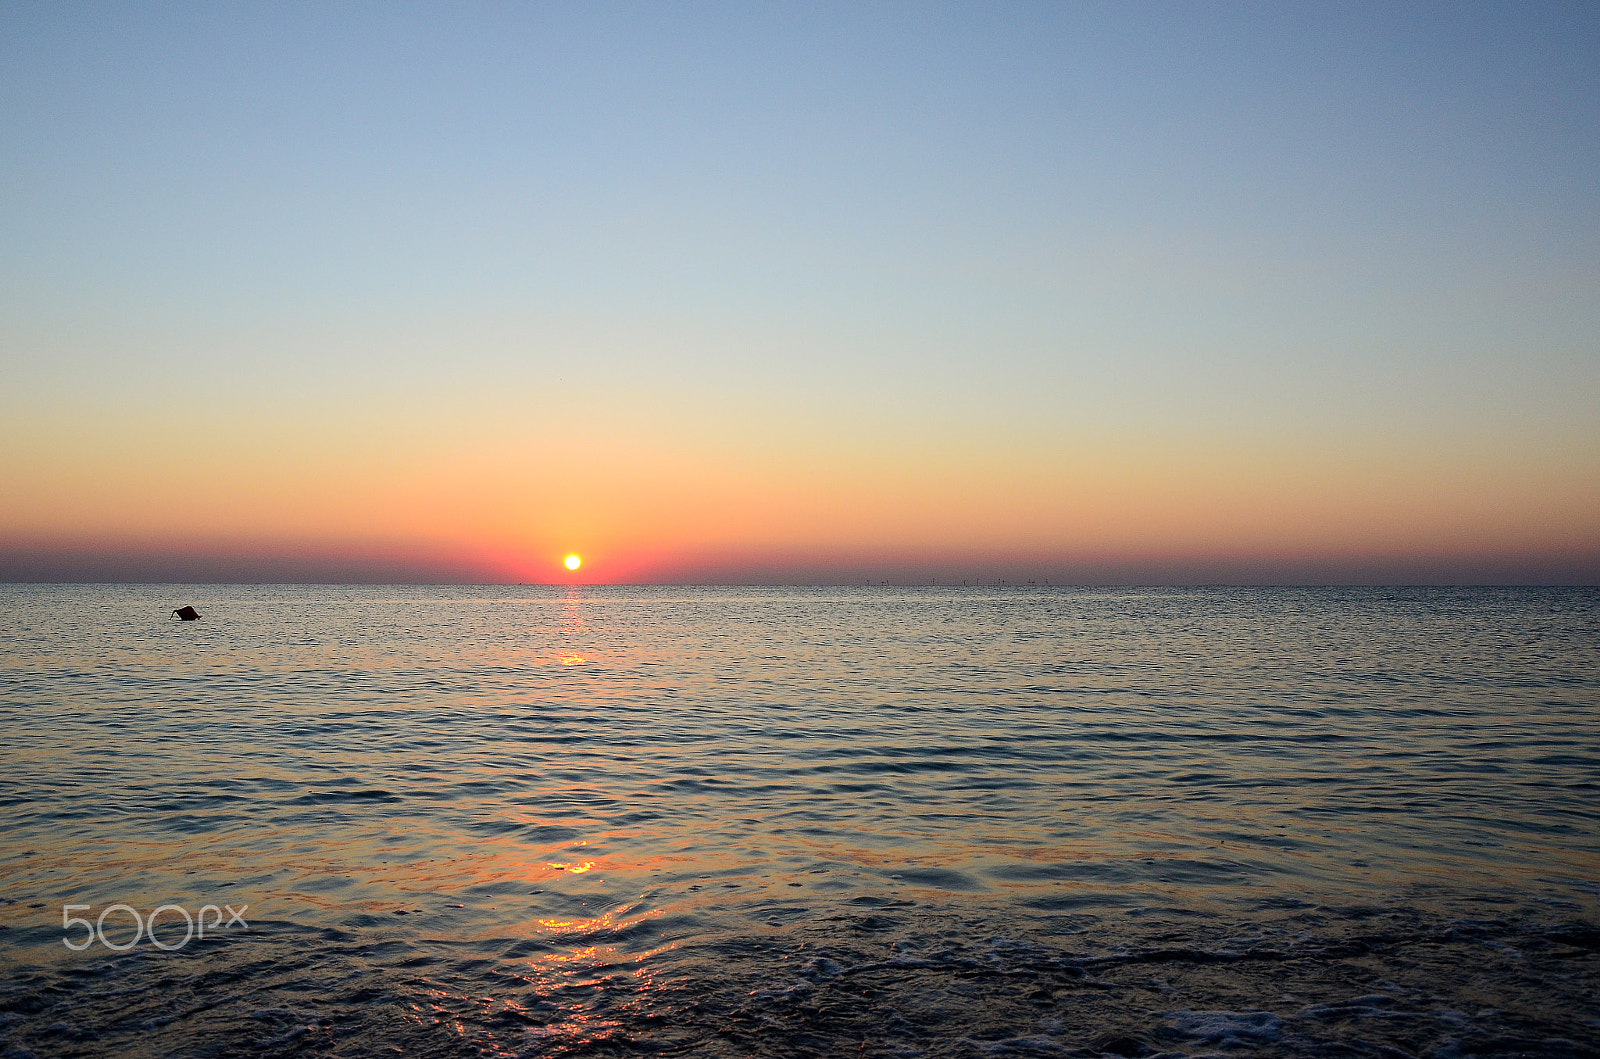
(824, 584)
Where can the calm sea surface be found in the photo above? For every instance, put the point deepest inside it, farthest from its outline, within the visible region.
(728, 822)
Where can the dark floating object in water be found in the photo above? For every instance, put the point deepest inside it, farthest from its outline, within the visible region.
(187, 613)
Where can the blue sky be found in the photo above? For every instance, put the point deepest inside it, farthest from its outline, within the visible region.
(1229, 228)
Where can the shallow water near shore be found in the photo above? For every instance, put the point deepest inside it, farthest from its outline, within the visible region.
(781, 821)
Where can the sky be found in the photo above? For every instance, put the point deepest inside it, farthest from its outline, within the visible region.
(1097, 293)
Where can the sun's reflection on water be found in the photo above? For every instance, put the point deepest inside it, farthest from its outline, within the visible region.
(578, 994)
(568, 866)
(573, 626)
(581, 995)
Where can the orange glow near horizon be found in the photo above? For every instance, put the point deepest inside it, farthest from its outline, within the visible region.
(744, 500)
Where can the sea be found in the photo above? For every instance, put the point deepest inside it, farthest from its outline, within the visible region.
(1010, 820)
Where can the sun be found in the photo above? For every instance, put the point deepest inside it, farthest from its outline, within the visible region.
(573, 562)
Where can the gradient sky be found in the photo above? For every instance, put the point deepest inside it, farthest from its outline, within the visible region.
(1165, 292)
